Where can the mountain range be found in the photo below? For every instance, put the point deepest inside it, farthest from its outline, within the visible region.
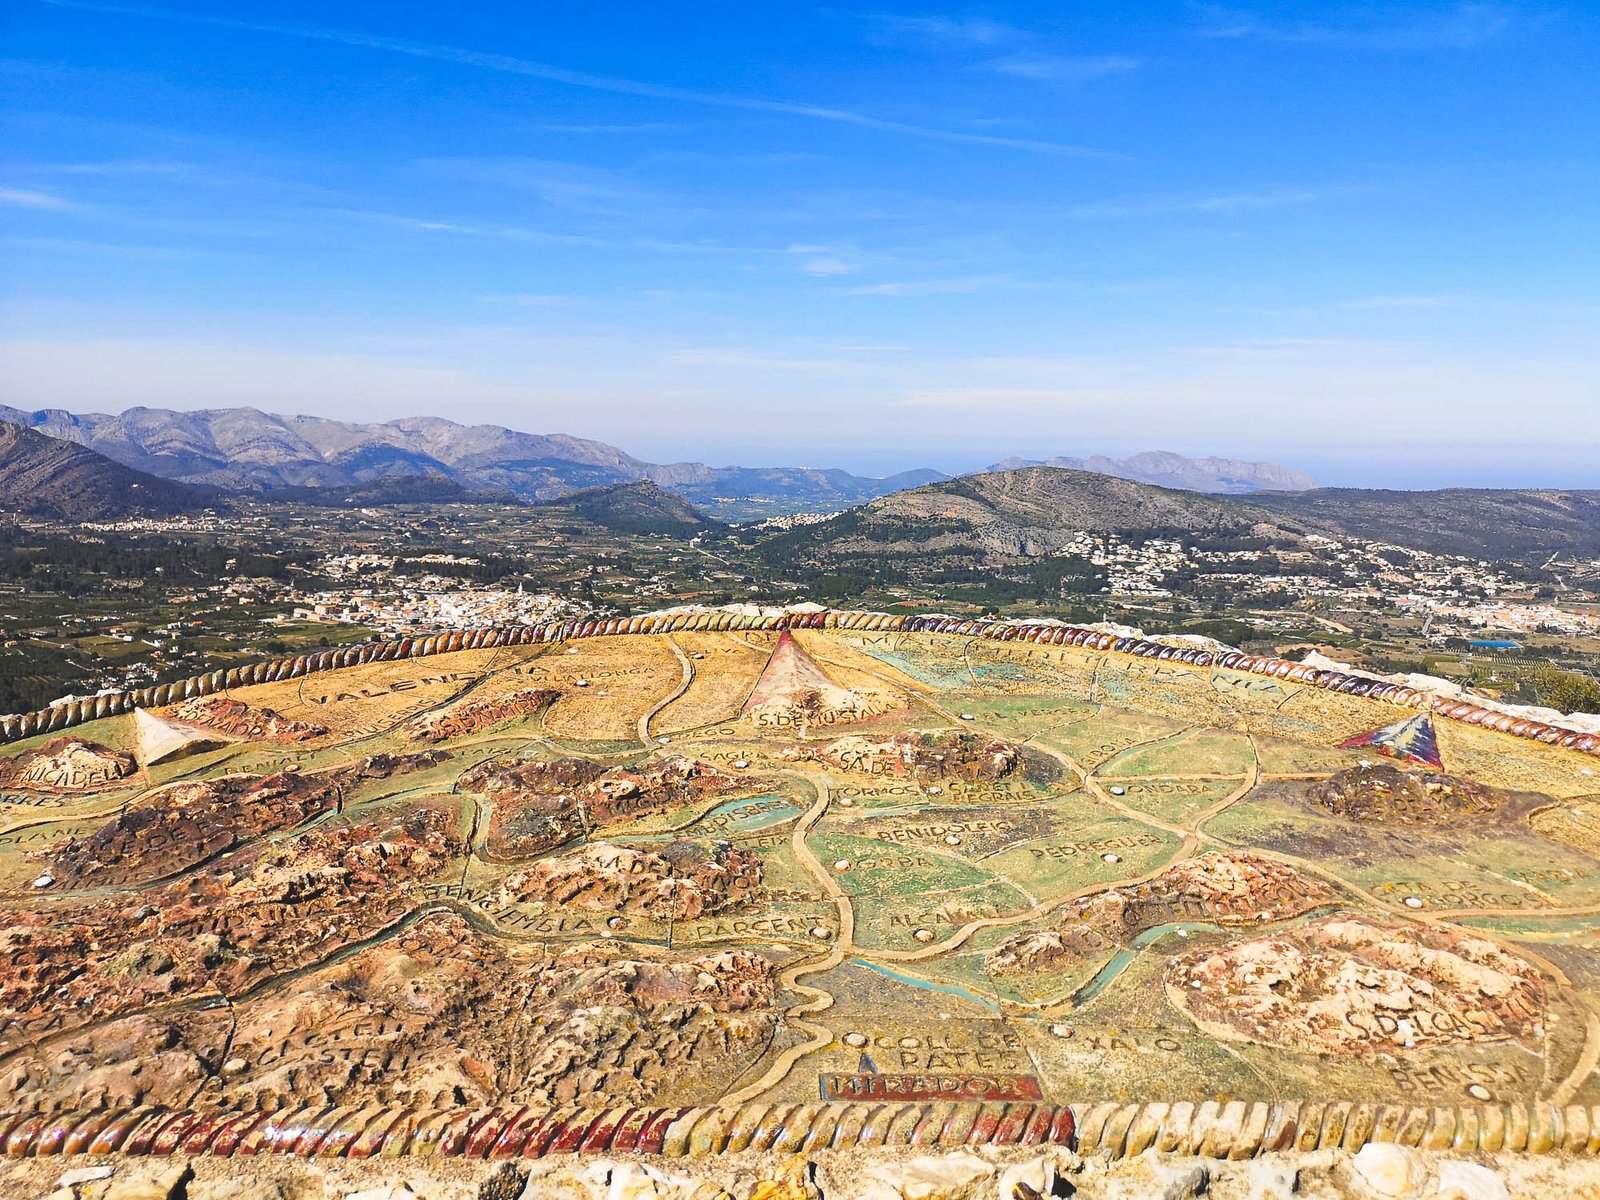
(1023, 512)
(1035, 511)
(245, 449)
(1164, 469)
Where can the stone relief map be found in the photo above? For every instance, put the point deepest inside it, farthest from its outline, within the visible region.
(727, 884)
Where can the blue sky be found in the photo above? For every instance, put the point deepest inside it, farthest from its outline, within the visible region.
(1358, 239)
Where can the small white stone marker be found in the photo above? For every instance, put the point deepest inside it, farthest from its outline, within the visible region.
(663, 740)
(923, 935)
(966, 716)
(934, 791)
(1111, 858)
(855, 1040)
(1477, 1091)
(572, 649)
(44, 880)
(842, 864)
(952, 840)
(1117, 789)
(742, 763)
(1413, 901)
(615, 922)
(817, 931)
(1061, 1031)
(581, 683)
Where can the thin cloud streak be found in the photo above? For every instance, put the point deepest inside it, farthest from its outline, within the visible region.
(1406, 302)
(580, 79)
(1460, 28)
(1021, 53)
(1160, 206)
(24, 198)
(1053, 68)
(931, 287)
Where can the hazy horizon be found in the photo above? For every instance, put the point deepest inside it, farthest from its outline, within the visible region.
(1395, 465)
(1345, 239)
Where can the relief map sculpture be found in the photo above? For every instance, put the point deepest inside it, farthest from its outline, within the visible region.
(720, 883)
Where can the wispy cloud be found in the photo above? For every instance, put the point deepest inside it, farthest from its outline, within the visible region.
(991, 45)
(183, 173)
(636, 127)
(827, 267)
(1446, 301)
(1221, 203)
(1058, 68)
(25, 198)
(751, 359)
(563, 185)
(823, 261)
(507, 64)
(1383, 27)
(931, 287)
(533, 300)
(961, 31)
(1010, 398)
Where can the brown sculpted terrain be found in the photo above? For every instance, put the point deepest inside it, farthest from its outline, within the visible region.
(540, 804)
(1347, 984)
(219, 932)
(920, 754)
(1064, 887)
(469, 716)
(1219, 888)
(682, 882)
(1384, 794)
(188, 823)
(67, 764)
(420, 1022)
(246, 722)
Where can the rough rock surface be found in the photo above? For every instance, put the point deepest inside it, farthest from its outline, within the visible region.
(471, 715)
(1386, 794)
(683, 881)
(94, 964)
(907, 1174)
(1344, 984)
(188, 823)
(249, 722)
(1216, 887)
(918, 754)
(540, 804)
(67, 764)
